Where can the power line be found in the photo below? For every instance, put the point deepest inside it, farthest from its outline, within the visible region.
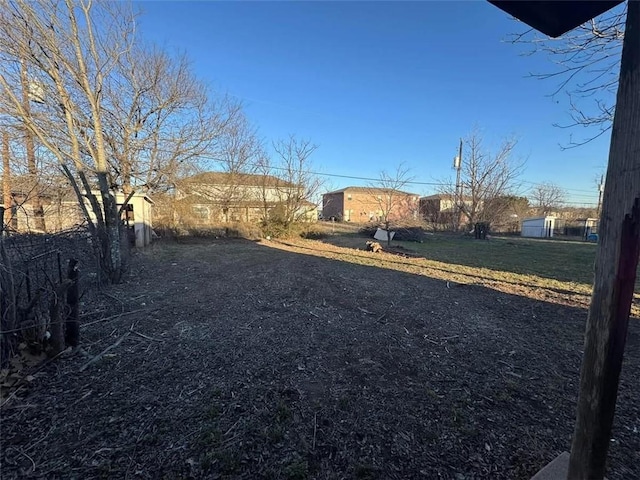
(411, 182)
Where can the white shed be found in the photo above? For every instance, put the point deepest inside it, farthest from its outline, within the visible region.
(137, 216)
(540, 227)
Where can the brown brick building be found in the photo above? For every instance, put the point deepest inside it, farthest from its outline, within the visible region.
(368, 204)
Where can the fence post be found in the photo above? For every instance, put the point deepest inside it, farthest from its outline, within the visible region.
(72, 332)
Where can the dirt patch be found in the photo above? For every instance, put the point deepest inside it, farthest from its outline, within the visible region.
(240, 360)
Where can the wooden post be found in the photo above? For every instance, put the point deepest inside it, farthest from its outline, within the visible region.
(72, 331)
(615, 271)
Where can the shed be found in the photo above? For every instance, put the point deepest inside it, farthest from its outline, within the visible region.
(137, 216)
(539, 227)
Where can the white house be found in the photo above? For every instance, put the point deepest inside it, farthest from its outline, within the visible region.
(540, 227)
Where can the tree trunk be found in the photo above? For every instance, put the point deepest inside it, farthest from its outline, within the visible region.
(7, 198)
(387, 226)
(615, 271)
(30, 150)
(111, 249)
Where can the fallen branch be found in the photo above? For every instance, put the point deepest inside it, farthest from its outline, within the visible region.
(13, 394)
(24, 454)
(449, 338)
(112, 317)
(104, 352)
(315, 428)
(146, 336)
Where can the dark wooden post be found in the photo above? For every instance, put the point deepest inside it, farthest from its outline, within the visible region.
(72, 332)
(615, 271)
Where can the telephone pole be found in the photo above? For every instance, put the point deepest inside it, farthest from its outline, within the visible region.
(600, 190)
(457, 164)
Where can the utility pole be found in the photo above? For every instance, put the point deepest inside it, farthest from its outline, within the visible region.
(600, 190)
(457, 165)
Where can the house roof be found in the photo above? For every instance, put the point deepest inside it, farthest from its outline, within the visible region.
(371, 190)
(24, 185)
(193, 199)
(226, 178)
(443, 196)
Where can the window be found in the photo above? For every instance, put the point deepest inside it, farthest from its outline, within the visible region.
(348, 197)
(201, 212)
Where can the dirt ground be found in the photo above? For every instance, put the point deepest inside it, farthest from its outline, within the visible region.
(240, 360)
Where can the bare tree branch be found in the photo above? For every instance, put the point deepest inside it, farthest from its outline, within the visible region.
(587, 62)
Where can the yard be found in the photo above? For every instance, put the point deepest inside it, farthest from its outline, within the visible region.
(308, 359)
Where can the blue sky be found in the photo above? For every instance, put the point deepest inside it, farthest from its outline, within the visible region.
(374, 84)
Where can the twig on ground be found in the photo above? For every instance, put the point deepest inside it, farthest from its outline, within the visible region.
(449, 338)
(10, 397)
(232, 427)
(384, 314)
(24, 454)
(146, 336)
(506, 363)
(365, 311)
(104, 352)
(429, 340)
(32, 446)
(487, 398)
(115, 298)
(112, 317)
(315, 428)
(405, 329)
(82, 398)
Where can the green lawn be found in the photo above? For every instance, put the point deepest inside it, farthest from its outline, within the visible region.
(559, 260)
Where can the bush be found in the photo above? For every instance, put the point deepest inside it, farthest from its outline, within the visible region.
(276, 228)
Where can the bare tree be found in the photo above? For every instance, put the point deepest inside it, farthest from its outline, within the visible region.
(295, 183)
(394, 203)
(240, 153)
(30, 151)
(547, 197)
(159, 119)
(72, 48)
(587, 63)
(485, 177)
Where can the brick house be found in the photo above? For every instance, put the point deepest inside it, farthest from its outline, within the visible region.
(368, 204)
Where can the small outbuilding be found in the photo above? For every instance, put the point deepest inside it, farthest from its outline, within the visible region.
(539, 227)
(136, 216)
